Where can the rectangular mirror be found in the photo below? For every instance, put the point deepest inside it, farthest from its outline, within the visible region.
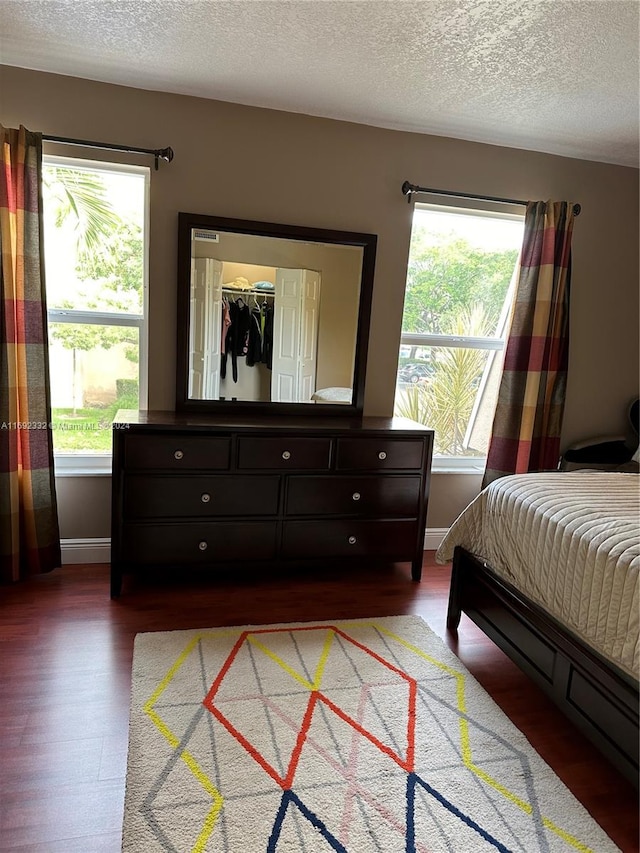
(271, 318)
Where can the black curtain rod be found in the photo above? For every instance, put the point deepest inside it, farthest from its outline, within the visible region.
(409, 189)
(165, 154)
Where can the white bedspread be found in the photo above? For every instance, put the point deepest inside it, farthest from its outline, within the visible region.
(569, 541)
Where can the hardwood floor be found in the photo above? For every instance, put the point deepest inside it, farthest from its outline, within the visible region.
(65, 664)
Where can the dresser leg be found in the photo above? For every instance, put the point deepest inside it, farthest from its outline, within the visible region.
(416, 568)
(116, 582)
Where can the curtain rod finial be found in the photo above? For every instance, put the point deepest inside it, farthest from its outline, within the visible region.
(165, 154)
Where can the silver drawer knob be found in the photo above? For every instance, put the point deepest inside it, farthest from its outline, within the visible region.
(178, 454)
(356, 496)
(205, 498)
(382, 455)
(352, 540)
(286, 455)
(203, 546)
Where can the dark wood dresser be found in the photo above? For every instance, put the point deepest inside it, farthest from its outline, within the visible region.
(207, 491)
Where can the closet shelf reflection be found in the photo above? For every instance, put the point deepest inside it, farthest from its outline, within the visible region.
(239, 292)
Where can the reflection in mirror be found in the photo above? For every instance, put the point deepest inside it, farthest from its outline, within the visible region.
(272, 314)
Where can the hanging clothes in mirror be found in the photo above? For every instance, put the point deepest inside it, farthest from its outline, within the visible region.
(226, 322)
(237, 338)
(254, 352)
(266, 321)
(261, 334)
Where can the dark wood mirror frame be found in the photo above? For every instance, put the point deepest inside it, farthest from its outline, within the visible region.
(186, 223)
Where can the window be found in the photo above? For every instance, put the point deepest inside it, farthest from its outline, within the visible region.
(460, 284)
(95, 246)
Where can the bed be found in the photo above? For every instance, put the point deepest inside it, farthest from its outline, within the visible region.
(547, 566)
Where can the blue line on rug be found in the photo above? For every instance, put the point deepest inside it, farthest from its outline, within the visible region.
(288, 797)
(412, 781)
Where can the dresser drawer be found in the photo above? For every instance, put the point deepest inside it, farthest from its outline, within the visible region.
(378, 454)
(199, 542)
(179, 452)
(356, 538)
(149, 496)
(363, 496)
(285, 454)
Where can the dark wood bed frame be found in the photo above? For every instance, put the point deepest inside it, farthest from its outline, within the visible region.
(599, 698)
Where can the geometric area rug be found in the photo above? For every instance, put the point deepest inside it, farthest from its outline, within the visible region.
(360, 736)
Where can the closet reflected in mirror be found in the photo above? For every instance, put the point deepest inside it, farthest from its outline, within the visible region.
(271, 316)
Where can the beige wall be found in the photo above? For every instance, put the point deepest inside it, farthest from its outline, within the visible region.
(249, 163)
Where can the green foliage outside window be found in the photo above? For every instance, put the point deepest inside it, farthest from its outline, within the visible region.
(453, 288)
(449, 277)
(445, 403)
(109, 278)
(109, 260)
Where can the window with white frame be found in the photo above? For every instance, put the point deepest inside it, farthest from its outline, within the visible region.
(95, 246)
(459, 290)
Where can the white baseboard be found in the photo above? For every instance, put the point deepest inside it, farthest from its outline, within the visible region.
(433, 537)
(99, 550)
(85, 551)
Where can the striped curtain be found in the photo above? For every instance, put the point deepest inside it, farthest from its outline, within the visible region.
(29, 536)
(528, 419)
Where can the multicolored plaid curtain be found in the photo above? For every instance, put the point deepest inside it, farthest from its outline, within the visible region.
(29, 535)
(526, 427)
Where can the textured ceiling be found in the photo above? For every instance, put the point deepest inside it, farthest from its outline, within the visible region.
(559, 76)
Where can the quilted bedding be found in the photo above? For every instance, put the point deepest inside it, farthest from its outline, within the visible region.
(570, 542)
